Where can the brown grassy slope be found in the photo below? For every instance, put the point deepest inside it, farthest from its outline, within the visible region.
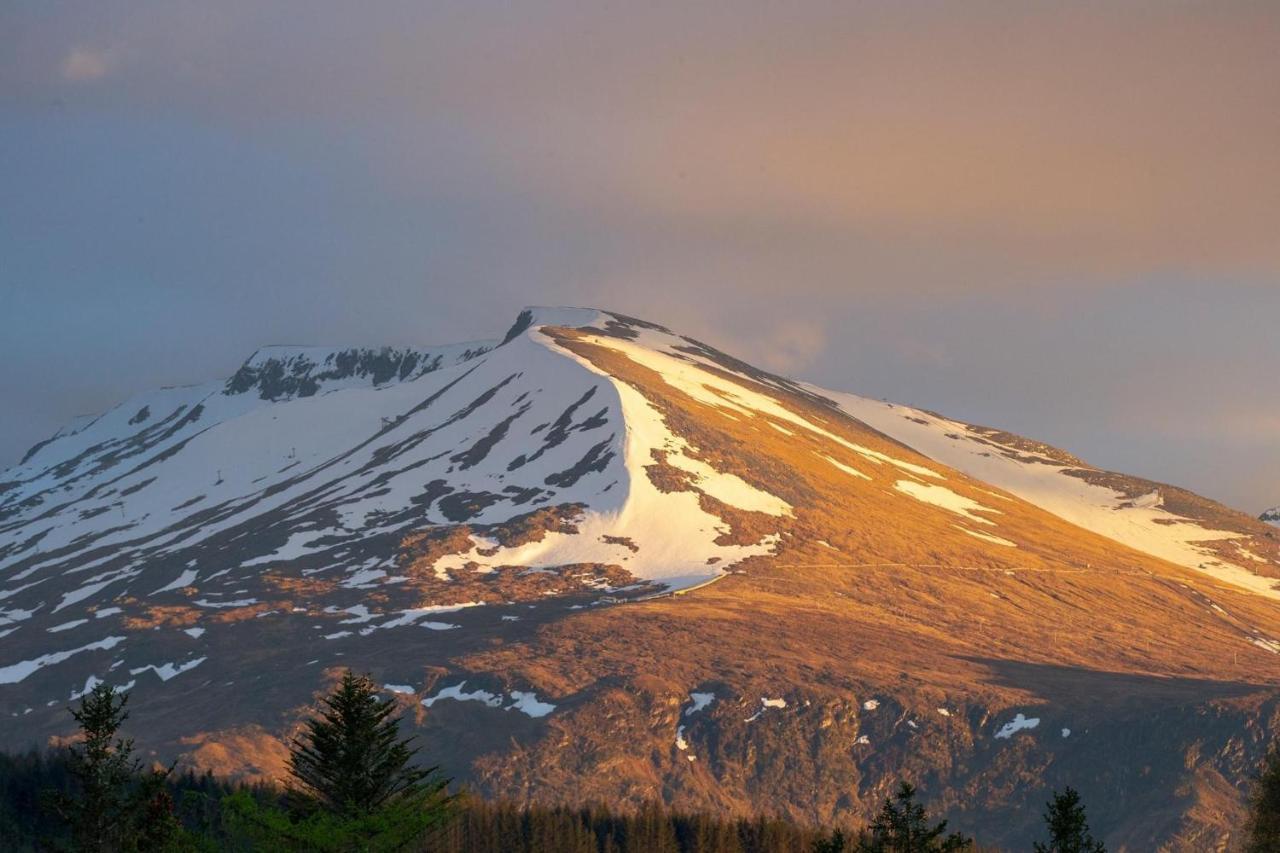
(1110, 607)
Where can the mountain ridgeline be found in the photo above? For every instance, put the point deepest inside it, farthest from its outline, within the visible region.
(598, 561)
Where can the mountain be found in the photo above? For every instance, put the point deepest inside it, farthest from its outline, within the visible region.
(595, 559)
(1271, 516)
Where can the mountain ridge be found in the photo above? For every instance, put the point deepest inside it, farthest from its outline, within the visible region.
(501, 535)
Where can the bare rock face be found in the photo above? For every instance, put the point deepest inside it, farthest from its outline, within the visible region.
(596, 559)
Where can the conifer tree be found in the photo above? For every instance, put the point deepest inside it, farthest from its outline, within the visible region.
(902, 826)
(1262, 834)
(350, 761)
(114, 805)
(352, 785)
(1068, 826)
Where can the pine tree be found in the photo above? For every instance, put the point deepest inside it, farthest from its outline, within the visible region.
(114, 804)
(903, 827)
(1262, 833)
(351, 761)
(1068, 827)
(352, 785)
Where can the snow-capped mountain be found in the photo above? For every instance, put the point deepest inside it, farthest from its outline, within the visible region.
(495, 530)
(1271, 516)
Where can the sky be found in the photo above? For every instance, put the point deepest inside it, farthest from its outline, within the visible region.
(1059, 219)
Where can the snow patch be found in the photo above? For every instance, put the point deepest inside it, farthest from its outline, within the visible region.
(699, 702)
(243, 602)
(89, 683)
(986, 537)
(941, 496)
(167, 671)
(1017, 724)
(13, 673)
(1270, 645)
(411, 617)
(185, 579)
(854, 472)
(526, 702)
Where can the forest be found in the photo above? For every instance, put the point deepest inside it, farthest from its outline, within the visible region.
(356, 785)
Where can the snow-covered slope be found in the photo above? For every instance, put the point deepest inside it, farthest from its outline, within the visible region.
(334, 456)
(1154, 518)
(304, 451)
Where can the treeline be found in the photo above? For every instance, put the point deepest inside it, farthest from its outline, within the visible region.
(354, 785)
(206, 812)
(34, 782)
(31, 782)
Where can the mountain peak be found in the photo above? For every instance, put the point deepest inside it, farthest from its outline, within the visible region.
(607, 517)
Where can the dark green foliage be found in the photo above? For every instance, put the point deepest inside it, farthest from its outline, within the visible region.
(28, 781)
(903, 827)
(111, 803)
(485, 827)
(213, 813)
(350, 761)
(399, 824)
(352, 787)
(1068, 828)
(32, 783)
(1262, 835)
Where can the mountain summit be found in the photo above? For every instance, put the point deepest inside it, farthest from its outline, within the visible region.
(605, 561)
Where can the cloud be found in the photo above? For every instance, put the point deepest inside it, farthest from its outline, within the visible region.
(921, 146)
(83, 64)
(984, 208)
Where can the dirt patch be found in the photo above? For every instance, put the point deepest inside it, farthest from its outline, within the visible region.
(156, 616)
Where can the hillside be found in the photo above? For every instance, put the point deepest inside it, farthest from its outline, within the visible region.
(596, 559)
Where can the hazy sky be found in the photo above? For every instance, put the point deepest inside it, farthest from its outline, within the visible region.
(1062, 219)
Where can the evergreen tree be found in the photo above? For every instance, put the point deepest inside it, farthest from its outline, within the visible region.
(352, 786)
(1068, 827)
(1262, 834)
(903, 827)
(113, 804)
(351, 761)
